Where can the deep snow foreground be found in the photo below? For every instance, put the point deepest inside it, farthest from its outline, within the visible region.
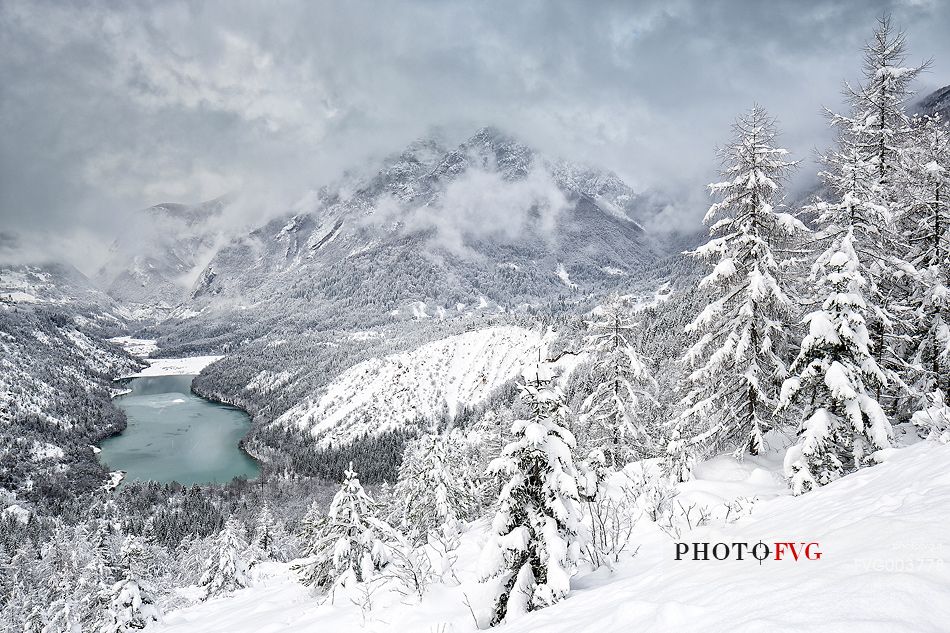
(885, 566)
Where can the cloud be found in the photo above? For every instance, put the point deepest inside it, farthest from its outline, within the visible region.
(107, 108)
(480, 205)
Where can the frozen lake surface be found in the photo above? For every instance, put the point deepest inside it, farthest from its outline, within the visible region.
(173, 435)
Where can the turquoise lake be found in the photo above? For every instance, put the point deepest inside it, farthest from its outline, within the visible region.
(173, 435)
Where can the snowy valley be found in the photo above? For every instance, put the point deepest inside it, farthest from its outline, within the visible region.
(488, 388)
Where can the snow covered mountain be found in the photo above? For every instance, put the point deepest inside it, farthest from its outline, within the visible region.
(161, 250)
(436, 229)
(60, 287)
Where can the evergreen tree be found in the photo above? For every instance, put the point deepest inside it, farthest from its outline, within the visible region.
(24, 604)
(537, 532)
(925, 224)
(738, 361)
(435, 486)
(878, 123)
(64, 557)
(934, 419)
(487, 437)
(225, 569)
(843, 424)
(94, 587)
(349, 545)
(865, 171)
(622, 379)
(270, 538)
(132, 604)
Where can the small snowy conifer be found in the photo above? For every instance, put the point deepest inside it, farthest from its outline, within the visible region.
(622, 380)
(225, 569)
(536, 535)
(349, 545)
(836, 377)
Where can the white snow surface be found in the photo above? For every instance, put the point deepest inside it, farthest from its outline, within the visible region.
(17, 296)
(383, 394)
(141, 347)
(884, 567)
(175, 366)
(17, 511)
(561, 273)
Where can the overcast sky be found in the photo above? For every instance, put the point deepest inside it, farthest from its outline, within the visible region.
(106, 108)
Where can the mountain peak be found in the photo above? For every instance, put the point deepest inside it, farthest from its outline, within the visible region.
(489, 149)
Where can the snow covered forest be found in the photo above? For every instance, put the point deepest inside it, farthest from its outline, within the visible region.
(482, 440)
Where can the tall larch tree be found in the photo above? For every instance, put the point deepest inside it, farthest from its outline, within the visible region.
(737, 364)
(865, 172)
(926, 225)
(622, 381)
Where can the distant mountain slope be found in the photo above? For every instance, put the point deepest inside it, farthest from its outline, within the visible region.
(161, 250)
(60, 287)
(436, 229)
(937, 102)
(391, 393)
(55, 378)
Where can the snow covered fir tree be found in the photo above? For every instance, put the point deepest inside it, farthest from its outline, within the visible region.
(537, 531)
(623, 381)
(739, 358)
(436, 487)
(468, 381)
(350, 545)
(225, 569)
(844, 424)
(132, 604)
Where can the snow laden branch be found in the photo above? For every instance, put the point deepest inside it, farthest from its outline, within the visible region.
(843, 426)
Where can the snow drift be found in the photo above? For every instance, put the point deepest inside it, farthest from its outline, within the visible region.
(884, 567)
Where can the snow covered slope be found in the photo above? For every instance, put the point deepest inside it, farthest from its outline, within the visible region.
(937, 102)
(174, 366)
(62, 288)
(384, 394)
(55, 380)
(885, 566)
(160, 253)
